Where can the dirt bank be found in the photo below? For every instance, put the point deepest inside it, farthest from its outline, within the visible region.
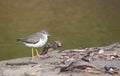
(57, 63)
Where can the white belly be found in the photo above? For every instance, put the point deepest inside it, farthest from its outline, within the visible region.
(39, 44)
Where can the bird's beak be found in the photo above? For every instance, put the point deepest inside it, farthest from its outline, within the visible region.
(49, 35)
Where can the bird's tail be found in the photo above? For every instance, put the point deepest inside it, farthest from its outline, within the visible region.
(18, 39)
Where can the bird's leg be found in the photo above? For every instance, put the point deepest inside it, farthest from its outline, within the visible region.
(32, 52)
(37, 52)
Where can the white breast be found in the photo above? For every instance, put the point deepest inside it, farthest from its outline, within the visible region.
(39, 44)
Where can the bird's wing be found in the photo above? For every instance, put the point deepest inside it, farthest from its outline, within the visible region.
(30, 39)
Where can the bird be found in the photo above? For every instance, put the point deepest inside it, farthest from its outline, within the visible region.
(35, 40)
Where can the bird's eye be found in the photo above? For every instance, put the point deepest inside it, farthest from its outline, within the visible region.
(44, 32)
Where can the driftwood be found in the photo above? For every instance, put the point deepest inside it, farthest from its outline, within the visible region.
(85, 59)
(50, 47)
(111, 70)
(73, 66)
(81, 68)
(21, 63)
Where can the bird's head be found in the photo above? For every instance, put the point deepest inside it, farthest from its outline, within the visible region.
(44, 32)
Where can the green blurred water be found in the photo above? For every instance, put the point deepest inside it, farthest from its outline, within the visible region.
(77, 23)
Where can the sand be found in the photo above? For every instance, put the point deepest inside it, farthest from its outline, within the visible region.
(49, 65)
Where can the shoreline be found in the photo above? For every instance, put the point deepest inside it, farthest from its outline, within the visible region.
(53, 62)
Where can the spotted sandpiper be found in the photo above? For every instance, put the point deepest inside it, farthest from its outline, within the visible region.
(35, 40)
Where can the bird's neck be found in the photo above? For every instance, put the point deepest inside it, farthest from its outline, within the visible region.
(45, 37)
